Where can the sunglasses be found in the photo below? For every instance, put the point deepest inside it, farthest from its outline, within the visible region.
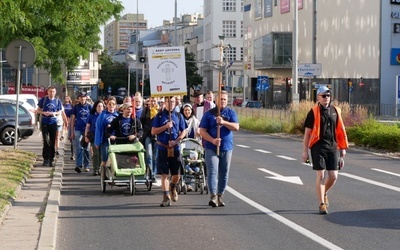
(325, 96)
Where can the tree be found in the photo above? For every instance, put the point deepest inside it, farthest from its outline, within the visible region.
(113, 74)
(192, 77)
(61, 31)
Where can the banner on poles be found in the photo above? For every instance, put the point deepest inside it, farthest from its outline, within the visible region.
(167, 71)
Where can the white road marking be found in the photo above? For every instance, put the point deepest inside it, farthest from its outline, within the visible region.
(242, 146)
(286, 157)
(290, 179)
(262, 151)
(379, 184)
(384, 171)
(312, 236)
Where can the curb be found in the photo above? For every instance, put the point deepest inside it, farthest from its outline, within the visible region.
(48, 231)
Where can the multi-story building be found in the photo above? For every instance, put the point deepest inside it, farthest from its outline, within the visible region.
(85, 77)
(222, 18)
(118, 32)
(354, 45)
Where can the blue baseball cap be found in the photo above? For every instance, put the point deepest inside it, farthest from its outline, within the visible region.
(322, 90)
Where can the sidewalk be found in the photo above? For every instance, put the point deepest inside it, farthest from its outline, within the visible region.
(31, 221)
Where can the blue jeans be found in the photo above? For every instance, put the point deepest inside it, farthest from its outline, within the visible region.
(81, 154)
(217, 170)
(151, 154)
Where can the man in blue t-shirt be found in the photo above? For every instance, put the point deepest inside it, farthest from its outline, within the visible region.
(170, 128)
(79, 114)
(49, 107)
(218, 164)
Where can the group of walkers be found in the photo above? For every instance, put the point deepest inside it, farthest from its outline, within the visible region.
(160, 124)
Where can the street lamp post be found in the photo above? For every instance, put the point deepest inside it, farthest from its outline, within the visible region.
(295, 92)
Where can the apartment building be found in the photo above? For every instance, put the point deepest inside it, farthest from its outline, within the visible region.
(118, 32)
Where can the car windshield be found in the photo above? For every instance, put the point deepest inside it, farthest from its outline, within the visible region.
(10, 110)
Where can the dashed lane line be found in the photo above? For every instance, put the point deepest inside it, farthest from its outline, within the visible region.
(312, 236)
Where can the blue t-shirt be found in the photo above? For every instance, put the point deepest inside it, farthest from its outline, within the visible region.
(104, 119)
(81, 113)
(179, 125)
(208, 122)
(48, 105)
(68, 109)
(91, 120)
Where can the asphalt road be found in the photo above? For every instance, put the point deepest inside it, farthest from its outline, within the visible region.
(271, 204)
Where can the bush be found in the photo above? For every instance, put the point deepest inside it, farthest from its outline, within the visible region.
(373, 134)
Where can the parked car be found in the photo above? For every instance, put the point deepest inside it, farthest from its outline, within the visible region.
(7, 122)
(252, 104)
(29, 102)
(238, 101)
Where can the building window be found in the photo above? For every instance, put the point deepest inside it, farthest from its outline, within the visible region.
(241, 29)
(231, 54)
(228, 5)
(241, 53)
(229, 29)
(273, 51)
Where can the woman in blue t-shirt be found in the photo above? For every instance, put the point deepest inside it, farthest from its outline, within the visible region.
(90, 131)
(105, 119)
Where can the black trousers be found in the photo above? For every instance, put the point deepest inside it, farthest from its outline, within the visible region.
(49, 140)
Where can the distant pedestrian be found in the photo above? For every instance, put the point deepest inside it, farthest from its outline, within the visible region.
(324, 135)
(49, 107)
(218, 165)
(68, 106)
(201, 105)
(79, 116)
(90, 132)
(149, 140)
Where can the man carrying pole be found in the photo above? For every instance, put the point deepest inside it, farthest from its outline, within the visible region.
(170, 128)
(216, 129)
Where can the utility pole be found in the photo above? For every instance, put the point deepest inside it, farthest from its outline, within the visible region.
(295, 92)
(176, 16)
(137, 44)
(1, 71)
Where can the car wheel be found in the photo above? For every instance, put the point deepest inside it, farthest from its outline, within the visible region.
(7, 136)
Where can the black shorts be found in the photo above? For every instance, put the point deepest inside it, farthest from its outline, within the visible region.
(324, 159)
(169, 165)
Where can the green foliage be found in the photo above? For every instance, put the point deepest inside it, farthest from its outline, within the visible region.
(361, 128)
(61, 31)
(114, 74)
(261, 125)
(192, 77)
(372, 133)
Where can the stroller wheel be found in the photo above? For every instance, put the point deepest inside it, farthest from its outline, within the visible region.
(132, 184)
(201, 188)
(102, 179)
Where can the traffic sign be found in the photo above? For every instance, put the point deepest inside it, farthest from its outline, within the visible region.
(262, 83)
(309, 69)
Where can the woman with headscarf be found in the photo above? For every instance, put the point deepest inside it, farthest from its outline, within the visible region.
(191, 121)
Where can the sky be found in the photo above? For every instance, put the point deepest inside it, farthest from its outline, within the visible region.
(155, 11)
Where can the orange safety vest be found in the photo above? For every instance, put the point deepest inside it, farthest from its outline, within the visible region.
(340, 131)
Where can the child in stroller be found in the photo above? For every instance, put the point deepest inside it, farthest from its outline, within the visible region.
(194, 166)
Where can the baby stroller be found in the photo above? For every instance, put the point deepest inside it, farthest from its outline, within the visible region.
(193, 170)
(127, 167)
